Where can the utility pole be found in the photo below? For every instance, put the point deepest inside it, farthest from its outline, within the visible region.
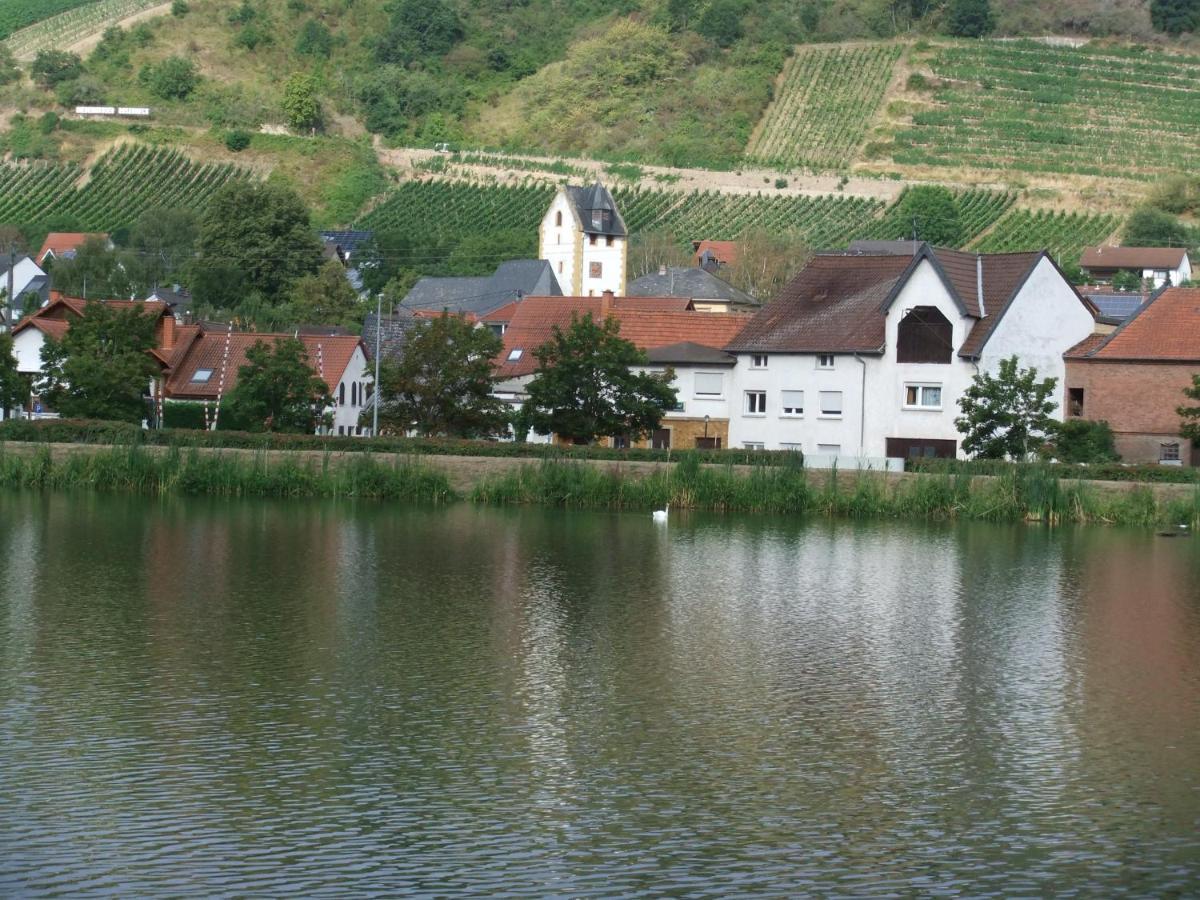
(375, 387)
(8, 298)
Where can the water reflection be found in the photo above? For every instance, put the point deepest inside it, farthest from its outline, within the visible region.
(207, 697)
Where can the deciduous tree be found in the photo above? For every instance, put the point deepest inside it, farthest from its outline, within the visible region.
(325, 298)
(588, 385)
(1191, 414)
(14, 387)
(1175, 16)
(1006, 415)
(970, 18)
(277, 389)
(930, 213)
(301, 106)
(442, 384)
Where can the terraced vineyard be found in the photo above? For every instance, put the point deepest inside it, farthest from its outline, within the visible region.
(823, 106)
(1064, 234)
(120, 186)
(977, 210)
(76, 22)
(1033, 108)
(17, 14)
(440, 208)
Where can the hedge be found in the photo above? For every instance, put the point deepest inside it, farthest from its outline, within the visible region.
(1064, 471)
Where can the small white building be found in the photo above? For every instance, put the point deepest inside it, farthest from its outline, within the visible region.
(584, 239)
(866, 356)
(1157, 265)
(28, 278)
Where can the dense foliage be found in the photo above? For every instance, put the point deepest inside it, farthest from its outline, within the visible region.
(1007, 415)
(1083, 441)
(1190, 414)
(14, 388)
(277, 390)
(1175, 16)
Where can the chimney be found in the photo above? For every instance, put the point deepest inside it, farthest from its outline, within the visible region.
(606, 303)
(979, 283)
(168, 331)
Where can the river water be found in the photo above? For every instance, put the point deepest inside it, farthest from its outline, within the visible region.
(254, 698)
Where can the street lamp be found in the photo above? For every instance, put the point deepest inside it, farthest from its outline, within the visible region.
(706, 428)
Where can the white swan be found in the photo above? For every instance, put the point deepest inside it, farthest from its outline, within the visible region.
(660, 515)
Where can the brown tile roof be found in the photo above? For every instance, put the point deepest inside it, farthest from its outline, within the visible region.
(1165, 328)
(726, 252)
(206, 350)
(1003, 275)
(1132, 257)
(536, 317)
(55, 317)
(61, 242)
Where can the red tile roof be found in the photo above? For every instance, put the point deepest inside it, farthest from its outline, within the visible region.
(1165, 329)
(59, 242)
(1132, 258)
(207, 350)
(534, 321)
(726, 252)
(55, 317)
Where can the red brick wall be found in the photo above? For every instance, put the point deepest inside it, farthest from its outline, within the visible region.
(1138, 399)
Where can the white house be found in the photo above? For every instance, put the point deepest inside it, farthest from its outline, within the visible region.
(1157, 265)
(28, 278)
(866, 356)
(584, 239)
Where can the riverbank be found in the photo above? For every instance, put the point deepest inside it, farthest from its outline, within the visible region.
(1027, 493)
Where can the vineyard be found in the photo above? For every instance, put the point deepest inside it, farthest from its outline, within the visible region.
(1065, 235)
(823, 106)
(978, 209)
(440, 208)
(17, 14)
(120, 186)
(77, 21)
(1033, 108)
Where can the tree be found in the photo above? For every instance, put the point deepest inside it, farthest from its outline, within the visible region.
(301, 107)
(650, 250)
(259, 233)
(173, 78)
(419, 28)
(970, 18)
(277, 389)
(165, 240)
(325, 298)
(587, 385)
(314, 40)
(931, 213)
(96, 272)
(1149, 227)
(1008, 414)
(1127, 280)
(8, 65)
(1191, 414)
(679, 12)
(766, 262)
(14, 387)
(1175, 16)
(53, 66)
(101, 368)
(1083, 441)
(721, 22)
(442, 385)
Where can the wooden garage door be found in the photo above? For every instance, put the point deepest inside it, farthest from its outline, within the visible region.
(914, 448)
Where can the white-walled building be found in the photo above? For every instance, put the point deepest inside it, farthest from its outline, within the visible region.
(1157, 265)
(584, 239)
(866, 356)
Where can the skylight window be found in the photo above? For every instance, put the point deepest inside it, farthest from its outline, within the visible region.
(514, 355)
(202, 376)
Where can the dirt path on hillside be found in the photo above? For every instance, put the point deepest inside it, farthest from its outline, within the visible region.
(86, 45)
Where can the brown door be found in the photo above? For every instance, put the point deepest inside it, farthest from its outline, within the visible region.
(918, 448)
(660, 439)
(708, 443)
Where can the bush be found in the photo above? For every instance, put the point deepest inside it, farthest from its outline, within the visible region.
(1083, 441)
(52, 67)
(1111, 471)
(781, 183)
(179, 8)
(314, 40)
(237, 140)
(174, 78)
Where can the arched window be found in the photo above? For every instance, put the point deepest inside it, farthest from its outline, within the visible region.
(354, 393)
(558, 218)
(342, 394)
(925, 336)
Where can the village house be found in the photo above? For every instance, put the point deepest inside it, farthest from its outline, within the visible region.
(1134, 377)
(864, 357)
(584, 238)
(65, 244)
(673, 334)
(482, 295)
(1157, 265)
(707, 292)
(30, 287)
(713, 256)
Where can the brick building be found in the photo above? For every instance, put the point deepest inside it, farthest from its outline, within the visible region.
(1134, 377)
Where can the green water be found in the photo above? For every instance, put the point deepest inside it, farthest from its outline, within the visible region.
(249, 698)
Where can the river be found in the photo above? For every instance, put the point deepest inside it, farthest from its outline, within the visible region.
(216, 697)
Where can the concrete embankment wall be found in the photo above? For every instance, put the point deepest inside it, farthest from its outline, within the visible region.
(465, 472)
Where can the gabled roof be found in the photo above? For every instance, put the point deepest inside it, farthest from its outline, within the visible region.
(1164, 329)
(1115, 305)
(687, 281)
(328, 355)
(55, 317)
(64, 244)
(536, 318)
(689, 353)
(596, 197)
(393, 335)
(481, 295)
(1132, 258)
(724, 252)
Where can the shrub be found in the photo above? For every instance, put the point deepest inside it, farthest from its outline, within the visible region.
(314, 40)
(781, 183)
(174, 78)
(1083, 441)
(237, 140)
(179, 8)
(51, 67)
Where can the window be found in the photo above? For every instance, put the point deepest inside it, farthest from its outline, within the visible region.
(342, 430)
(354, 393)
(1074, 401)
(677, 407)
(621, 442)
(595, 270)
(758, 361)
(514, 355)
(924, 336)
(202, 376)
(608, 241)
(558, 218)
(829, 449)
(794, 448)
(756, 403)
(752, 445)
(922, 396)
(1168, 453)
(831, 403)
(825, 361)
(342, 394)
(592, 240)
(710, 384)
(792, 403)
(660, 439)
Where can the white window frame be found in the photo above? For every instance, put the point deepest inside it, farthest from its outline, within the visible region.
(821, 357)
(1168, 451)
(515, 354)
(783, 405)
(821, 405)
(753, 445)
(696, 393)
(196, 379)
(746, 404)
(921, 387)
(758, 360)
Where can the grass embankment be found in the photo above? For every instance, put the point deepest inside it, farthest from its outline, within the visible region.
(1028, 493)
